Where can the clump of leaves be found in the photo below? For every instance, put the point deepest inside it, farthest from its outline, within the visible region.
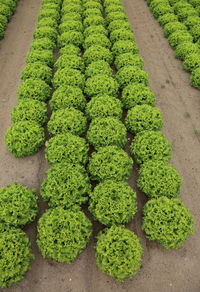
(114, 8)
(179, 37)
(131, 74)
(48, 32)
(15, 254)
(68, 97)
(122, 47)
(24, 138)
(68, 77)
(106, 131)
(67, 121)
(110, 162)
(67, 148)
(118, 252)
(70, 61)
(93, 20)
(71, 7)
(92, 5)
(159, 178)
(101, 84)
(171, 27)
(137, 94)
(113, 202)
(70, 37)
(129, 59)
(191, 62)
(71, 16)
(185, 12)
(43, 44)
(119, 24)
(143, 117)
(162, 9)
(34, 89)
(63, 234)
(37, 70)
(91, 12)
(104, 106)
(184, 49)
(70, 50)
(29, 110)
(18, 205)
(150, 145)
(95, 29)
(192, 21)
(46, 57)
(70, 25)
(107, 3)
(66, 184)
(47, 21)
(98, 67)
(52, 13)
(116, 16)
(96, 53)
(5, 11)
(96, 39)
(195, 78)
(121, 34)
(166, 18)
(168, 221)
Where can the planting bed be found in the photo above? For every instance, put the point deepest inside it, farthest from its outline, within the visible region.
(162, 270)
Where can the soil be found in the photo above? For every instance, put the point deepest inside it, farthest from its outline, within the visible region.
(162, 270)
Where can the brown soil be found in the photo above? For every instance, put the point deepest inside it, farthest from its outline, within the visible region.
(163, 271)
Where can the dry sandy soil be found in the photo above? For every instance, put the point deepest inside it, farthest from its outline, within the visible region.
(163, 271)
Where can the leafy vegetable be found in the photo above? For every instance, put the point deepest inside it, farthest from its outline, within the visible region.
(70, 37)
(118, 252)
(96, 39)
(167, 18)
(24, 138)
(34, 89)
(150, 145)
(195, 78)
(43, 44)
(101, 84)
(15, 254)
(63, 234)
(71, 25)
(29, 110)
(113, 202)
(70, 61)
(131, 74)
(66, 184)
(93, 20)
(104, 106)
(143, 117)
(18, 205)
(191, 62)
(95, 29)
(179, 37)
(68, 148)
(67, 121)
(46, 32)
(37, 70)
(171, 27)
(96, 53)
(68, 77)
(137, 94)
(98, 67)
(128, 59)
(110, 162)
(168, 221)
(122, 47)
(70, 50)
(119, 24)
(159, 178)
(184, 49)
(121, 34)
(67, 97)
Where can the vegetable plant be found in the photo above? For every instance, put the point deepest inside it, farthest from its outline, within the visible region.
(67, 121)
(71, 25)
(167, 221)
(24, 138)
(96, 53)
(97, 39)
(66, 148)
(70, 50)
(106, 131)
(179, 37)
(98, 67)
(195, 78)
(137, 94)
(192, 61)
(113, 202)
(95, 29)
(43, 44)
(68, 77)
(70, 61)
(29, 110)
(67, 97)
(101, 84)
(63, 234)
(121, 47)
(37, 70)
(118, 252)
(131, 74)
(150, 145)
(93, 20)
(66, 184)
(159, 178)
(129, 59)
(18, 205)
(104, 106)
(34, 89)
(70, 37)
(184, 49)
(110, 162)
(15, 254)
(143, 117)
(46, 31)
(121, 34)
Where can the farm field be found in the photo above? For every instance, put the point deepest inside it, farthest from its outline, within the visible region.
(162, 270)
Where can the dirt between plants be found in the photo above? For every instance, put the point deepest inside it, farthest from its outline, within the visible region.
(162, 271)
